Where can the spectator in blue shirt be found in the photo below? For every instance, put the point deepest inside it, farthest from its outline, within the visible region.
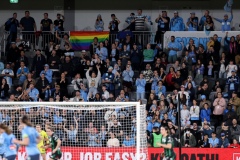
(22, 73)
(214, 141)
(203, 20)
(140, 83)
(102, 52)
(48, 73)
(232, 83)
(176, 23)
(173, 47)
(226, 22)
(12, 24)
(128, 142)
(223, 141)
(57, 118)
(99, 24)
(127, 76)
(107, 79)
(192, 22)
(8, 74)
(205, 113)
(160, 89)
(33, 92)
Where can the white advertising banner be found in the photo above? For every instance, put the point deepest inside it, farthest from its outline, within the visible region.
(199, 37)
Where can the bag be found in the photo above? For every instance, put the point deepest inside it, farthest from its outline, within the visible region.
(218, 110)
(7, 26)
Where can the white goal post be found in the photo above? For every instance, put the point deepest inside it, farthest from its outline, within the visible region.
(124, 123)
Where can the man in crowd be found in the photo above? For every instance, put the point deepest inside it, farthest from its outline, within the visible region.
(176, 23)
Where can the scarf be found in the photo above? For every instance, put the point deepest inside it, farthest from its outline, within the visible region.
(232, 47)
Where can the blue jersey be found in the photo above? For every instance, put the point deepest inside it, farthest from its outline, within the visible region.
(10, 148)
(32, 134)
(2, 146)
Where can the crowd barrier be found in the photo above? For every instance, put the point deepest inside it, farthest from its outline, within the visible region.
(81, 153)
(39, 40)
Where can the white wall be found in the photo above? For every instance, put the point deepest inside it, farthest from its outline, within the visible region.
(86, 18)
(36, 14)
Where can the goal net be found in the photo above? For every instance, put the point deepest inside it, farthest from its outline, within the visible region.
(87, 130)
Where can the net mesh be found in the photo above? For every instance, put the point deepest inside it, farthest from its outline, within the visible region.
(88, 132)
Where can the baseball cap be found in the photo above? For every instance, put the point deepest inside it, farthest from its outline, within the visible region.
(233, 71)
(46, 65)
(203, 97)
(222, 134)
(116, 40)
(128, 35)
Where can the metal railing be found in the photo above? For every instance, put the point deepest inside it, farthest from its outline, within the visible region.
(33, 40)
(39, 40)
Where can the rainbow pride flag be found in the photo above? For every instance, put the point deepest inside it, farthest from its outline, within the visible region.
(81, 40)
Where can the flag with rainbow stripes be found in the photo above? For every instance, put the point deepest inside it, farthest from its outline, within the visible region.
(81, 40)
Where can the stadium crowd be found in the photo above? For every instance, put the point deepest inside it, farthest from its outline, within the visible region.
(201, 86)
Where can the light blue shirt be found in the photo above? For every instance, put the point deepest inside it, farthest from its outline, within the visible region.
(140, 83)
(173, 45)
(113, 53)
(130, 142)
(48, 75)
(158, 90)
(127, 75)
(23, 76)
(32, 134)
(214, 142)
(2, 143)
(102, 53)
(9, 79)
(226, 24)
(57, 119)
(10, 148)
(34, 94)
(192, 27)
(176, 24)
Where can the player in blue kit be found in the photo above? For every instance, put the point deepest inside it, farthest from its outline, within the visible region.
(9, 147)
(2, 146)
(30, 139)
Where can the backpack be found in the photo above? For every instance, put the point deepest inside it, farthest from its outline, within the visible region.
(7, 26)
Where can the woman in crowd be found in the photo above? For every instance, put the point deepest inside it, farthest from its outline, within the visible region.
(99, 24)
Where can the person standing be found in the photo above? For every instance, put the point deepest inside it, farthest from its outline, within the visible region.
(10, 148)
(30, 139)
(167, 143)
(176, 23)
(163, 26)
(226, 22)
(28, 26)
(12, 24)
(173, 47)
(43, 141)
(192, 23)
(46, 28)
(58, 23)
(55, 144)
(113, 27)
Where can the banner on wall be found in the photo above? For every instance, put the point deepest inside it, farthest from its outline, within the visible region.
(81, 40)
(85, 153)
(199, 37)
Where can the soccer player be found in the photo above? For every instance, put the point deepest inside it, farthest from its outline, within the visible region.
(55, 144)
(167, 144)
(2, 147)
(30, 139)
(43, 142)
(10, 149)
